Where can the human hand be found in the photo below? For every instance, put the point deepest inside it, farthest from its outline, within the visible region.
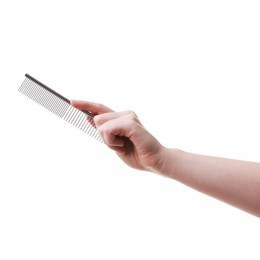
(124, 133)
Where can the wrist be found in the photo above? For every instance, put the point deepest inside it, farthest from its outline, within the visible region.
(165, 161)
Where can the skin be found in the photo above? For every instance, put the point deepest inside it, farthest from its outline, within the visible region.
(231, 181)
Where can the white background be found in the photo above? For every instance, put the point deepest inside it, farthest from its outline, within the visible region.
(190, 70)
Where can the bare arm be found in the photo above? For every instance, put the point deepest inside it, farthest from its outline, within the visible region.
(234, 182)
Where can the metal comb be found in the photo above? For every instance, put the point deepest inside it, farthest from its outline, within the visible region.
(59, 105)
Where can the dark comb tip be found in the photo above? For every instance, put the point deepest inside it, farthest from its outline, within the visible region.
(47, 88)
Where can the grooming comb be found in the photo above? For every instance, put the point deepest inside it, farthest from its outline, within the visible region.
(59, 105)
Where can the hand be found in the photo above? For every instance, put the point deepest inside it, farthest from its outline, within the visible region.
(124, 133)
(235, 182)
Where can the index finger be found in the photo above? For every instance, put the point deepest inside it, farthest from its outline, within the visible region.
(94, 108)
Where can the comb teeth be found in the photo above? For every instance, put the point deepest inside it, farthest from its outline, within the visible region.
(59, 105)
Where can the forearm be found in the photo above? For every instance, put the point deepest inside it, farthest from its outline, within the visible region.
(232, 181)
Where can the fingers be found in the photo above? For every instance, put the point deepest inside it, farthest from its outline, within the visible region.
(116, 128)
(92, 107)
(115, 134)
(103, 118)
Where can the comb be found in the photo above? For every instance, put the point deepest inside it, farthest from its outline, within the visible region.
(59, 105)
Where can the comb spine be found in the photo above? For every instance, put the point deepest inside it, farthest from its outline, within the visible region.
(47, 88)
(55, 93)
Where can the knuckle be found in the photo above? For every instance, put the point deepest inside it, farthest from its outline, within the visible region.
(104, 131)
(107, 135)
(97, 120)
(132, 117)
(131, 114)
